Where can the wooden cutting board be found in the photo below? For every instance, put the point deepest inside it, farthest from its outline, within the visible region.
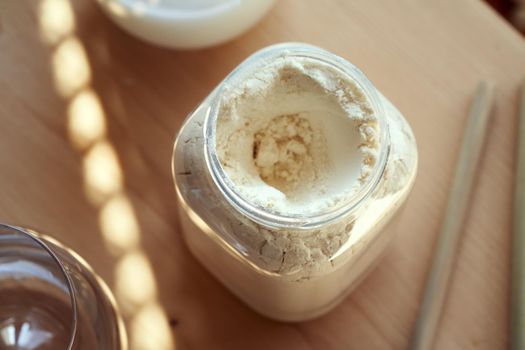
(67, 178)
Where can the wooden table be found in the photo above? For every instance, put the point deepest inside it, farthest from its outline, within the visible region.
(68, 177)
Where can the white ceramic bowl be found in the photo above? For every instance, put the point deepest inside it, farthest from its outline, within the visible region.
(186, 24)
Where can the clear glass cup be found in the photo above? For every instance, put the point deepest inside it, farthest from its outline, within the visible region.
(50, 298)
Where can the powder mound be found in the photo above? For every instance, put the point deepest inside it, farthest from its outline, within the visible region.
(283, 153)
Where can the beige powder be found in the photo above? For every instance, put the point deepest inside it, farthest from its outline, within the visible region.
(296, 137)
(289, 153)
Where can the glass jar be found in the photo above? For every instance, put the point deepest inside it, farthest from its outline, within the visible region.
(270, 259)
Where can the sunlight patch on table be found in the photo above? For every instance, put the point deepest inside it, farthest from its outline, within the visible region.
(56, 20)
(70, 67)
(134, 282)
(119, 225)
(86, 119)
(150, 329)
(102, 173)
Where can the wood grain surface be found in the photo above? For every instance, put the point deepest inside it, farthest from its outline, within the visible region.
(88, 115)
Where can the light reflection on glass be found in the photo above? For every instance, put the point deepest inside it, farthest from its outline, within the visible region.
(8, 334)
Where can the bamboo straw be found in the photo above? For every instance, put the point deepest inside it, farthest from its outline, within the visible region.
(451, 229)
(517, 338)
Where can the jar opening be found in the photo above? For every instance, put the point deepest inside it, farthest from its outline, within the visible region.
(299, 161)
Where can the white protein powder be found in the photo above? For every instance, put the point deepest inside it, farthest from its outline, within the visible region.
(297, 137)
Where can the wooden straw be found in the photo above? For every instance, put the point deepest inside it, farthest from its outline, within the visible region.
(518, 245)
(451, 229)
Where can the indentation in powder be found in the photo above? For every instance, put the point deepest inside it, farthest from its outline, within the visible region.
(287, 152)
(296, 137)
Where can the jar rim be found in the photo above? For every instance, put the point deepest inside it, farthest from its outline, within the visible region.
(226, 186)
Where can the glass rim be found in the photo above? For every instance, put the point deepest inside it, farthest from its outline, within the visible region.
(226, 186)
(36, 237)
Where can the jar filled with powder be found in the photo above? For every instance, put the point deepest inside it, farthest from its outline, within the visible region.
(288, 176)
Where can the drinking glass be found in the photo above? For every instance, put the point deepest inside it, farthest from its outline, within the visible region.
(51, 299)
